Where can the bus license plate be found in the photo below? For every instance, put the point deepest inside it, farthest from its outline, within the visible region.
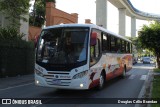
(55, 81)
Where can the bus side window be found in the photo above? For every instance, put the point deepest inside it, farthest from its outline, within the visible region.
(128, 47)
(104, 42)
(97, 49)
(123, 49)
(118, 45)
(113, 44)
(95, 52)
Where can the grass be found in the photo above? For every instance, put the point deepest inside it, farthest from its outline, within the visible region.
(156, 87)
(156, 70)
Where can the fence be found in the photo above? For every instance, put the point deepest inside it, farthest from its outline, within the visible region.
(16, 59)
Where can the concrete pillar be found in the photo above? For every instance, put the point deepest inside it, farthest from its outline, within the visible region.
(122, 21)
(133, 26)
(101, 13)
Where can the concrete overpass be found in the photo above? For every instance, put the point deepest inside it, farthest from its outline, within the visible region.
(125, 7)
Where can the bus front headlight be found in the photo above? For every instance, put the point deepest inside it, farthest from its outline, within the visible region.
(38, 72)
(80, 75)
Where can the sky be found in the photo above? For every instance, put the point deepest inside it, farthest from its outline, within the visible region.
(87, 10)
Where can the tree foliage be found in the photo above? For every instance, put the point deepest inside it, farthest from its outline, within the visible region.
(149, 37)
(137, 44)
(37, 17)
(14, 10)
(10, 33)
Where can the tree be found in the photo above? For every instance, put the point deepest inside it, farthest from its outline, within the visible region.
(37, 17)
(137, 44)
(14, 10)
(149, 37)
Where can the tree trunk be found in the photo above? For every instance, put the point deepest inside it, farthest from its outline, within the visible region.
(34, 12)
(158, 61)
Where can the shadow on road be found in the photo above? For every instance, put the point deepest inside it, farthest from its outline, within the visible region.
(63, 93)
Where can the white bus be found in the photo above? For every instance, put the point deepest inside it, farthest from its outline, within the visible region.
(80, 56)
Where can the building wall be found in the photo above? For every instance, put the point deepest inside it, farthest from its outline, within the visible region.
(33, 32)
(55, 16)
(24, 27)
(3, 21)
(88, 21)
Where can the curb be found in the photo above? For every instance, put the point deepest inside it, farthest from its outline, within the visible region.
(147, 85)
(150, 86)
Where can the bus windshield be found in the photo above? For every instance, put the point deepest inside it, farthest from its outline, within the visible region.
(63, 45)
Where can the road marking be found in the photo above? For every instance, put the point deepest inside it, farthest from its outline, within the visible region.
(16, 86)
(143, 90)
(143, 77)
(132, 77)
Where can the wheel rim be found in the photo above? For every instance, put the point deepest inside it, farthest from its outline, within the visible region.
(101, 81)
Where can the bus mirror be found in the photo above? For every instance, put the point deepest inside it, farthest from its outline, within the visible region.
(93, 38)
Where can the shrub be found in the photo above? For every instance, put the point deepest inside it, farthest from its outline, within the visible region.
(16, 55)
(10, 33)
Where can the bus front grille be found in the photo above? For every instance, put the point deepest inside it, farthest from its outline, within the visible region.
(50, 79)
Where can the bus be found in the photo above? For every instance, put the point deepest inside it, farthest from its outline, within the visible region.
(80, 56)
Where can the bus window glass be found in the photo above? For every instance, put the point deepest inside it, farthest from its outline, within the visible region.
(104, 42)
(63, 45)
(123, 46)
(95, 50)
(118, 45)
(113, 44)
(128, 47)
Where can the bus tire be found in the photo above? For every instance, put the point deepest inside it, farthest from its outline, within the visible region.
(124, 72)
(101, 81)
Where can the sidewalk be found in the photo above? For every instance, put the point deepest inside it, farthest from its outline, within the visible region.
(146, 91)
(14, 81)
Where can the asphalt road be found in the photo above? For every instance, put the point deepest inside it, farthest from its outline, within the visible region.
(129, 87)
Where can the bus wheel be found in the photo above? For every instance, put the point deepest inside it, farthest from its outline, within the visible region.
(101, 81)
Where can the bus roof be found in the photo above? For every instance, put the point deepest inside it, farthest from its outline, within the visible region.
(90, 26)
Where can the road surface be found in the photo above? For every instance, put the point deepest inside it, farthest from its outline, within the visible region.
(129, 87)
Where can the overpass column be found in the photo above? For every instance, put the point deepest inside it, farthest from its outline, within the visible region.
(133, 26)
(101, 13)
(122, 21)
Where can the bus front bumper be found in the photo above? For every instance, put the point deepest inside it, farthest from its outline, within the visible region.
(77, 84)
